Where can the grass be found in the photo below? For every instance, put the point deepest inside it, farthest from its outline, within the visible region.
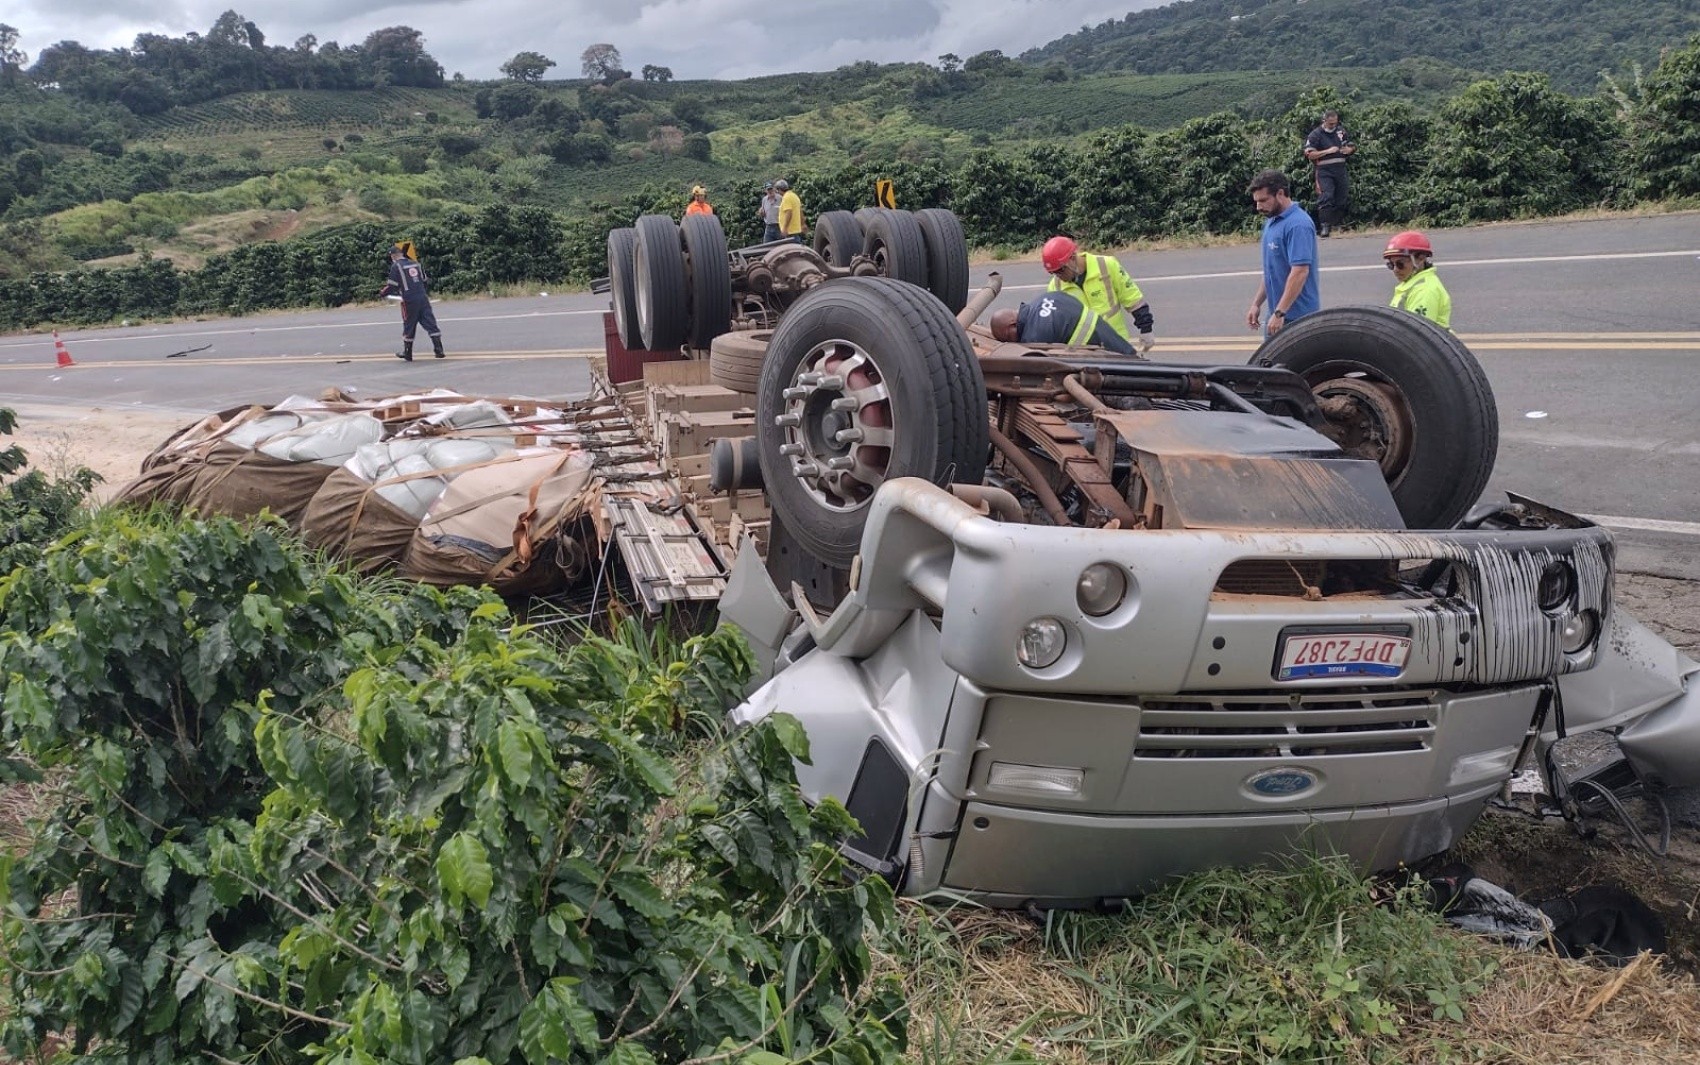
(1309, 963)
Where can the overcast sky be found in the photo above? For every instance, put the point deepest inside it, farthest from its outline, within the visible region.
(696, 38)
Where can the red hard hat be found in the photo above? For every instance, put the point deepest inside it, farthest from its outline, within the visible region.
(1406, 243)
(1057, 251)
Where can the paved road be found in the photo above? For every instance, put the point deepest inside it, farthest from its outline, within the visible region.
(1589, 331)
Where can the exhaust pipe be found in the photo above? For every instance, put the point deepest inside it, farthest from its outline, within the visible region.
(981, 300)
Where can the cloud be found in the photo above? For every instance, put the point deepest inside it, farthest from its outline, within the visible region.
(696, 38)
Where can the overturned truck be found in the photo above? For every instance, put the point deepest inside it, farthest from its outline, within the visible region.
(1060, 624)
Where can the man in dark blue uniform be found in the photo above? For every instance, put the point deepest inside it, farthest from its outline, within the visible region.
(1327, 148)
(1057, 318)
(407, 279)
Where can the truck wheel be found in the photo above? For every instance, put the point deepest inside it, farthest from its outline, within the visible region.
(622, 284)
(838, 237)
(893, 240)
(734, 360)
(866, 379)
(659, 266)
(789, 562)
(711, 278)
(947, 256)
(1405, 393)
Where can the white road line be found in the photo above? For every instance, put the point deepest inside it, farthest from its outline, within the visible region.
(1446, 263)
(1678, 528)
(37, 341)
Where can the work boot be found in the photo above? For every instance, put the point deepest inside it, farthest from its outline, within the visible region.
(406, 352)
(437, 346)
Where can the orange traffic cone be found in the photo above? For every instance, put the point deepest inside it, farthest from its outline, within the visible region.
(59, 351)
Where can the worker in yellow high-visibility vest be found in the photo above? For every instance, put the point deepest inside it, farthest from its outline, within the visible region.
(1411, 258)
(1099, 282)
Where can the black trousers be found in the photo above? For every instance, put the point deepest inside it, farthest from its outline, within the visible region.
(1333, 194)
(414, 315)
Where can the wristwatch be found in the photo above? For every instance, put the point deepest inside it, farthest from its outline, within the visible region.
(1277, 314)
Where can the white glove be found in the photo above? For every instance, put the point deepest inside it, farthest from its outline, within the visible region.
(1144, 343)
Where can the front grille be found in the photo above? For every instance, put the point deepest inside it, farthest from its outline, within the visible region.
(1256, 576)
(1310, 725)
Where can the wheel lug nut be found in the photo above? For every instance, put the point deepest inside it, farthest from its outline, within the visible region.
(791, 449)
(805, 468)
(810, 378)
(796, 393)
(845, 403)
(787, 421)
(831, 382)
(842, 463)
(847, 436)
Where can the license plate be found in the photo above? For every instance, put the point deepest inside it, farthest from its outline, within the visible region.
(1343, 654)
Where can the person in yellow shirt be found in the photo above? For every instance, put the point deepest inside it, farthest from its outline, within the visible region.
(1099, 282)
(1411, 258)
(790, 212)
(699, 202)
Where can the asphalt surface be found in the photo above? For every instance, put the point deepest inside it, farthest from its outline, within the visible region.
(1589, 332)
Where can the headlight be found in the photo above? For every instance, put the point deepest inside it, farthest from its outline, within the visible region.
(1578, 631)
(1557, 587)
(1041, 643)
(1044, 779)
(1101, 589)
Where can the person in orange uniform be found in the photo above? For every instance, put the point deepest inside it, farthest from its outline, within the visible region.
(699, 202)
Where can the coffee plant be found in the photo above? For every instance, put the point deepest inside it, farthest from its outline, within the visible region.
(35, 509)
(301, 817)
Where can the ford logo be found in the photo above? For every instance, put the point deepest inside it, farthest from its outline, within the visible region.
(1282, 783)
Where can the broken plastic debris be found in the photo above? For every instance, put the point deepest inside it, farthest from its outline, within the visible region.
(1536, 414)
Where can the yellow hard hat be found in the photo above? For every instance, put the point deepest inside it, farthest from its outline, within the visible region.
(698, 190)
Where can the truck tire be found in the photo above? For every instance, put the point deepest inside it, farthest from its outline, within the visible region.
(662, 299)
(918, 407)
(735, 360)
(947, 256)
(622, 284)
(710, 278)
(893, 240)
(1409, 396)
(838, 237)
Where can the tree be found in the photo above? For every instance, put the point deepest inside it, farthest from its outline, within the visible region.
(651, 72)
(1668, 148)
(668, 140)
(396, 56)
(306, 43)
(527, 66)
(688, 112)
(12, 58)
(950, 62)
(601, 62)
(231, 29)
(993, 63)
(514, 101)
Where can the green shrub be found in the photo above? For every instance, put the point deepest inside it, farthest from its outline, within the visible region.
(309, 818)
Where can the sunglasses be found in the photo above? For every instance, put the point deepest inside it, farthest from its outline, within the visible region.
(1395, 263)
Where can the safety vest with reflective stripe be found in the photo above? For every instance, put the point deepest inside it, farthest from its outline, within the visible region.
(1422, 293)
(1106, 290)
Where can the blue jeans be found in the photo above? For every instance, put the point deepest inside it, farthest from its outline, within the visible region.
(770, 233)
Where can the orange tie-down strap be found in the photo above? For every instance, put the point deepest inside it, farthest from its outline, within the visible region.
(522, 528)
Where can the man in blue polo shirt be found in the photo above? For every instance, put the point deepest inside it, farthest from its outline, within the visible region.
(1289, 256)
